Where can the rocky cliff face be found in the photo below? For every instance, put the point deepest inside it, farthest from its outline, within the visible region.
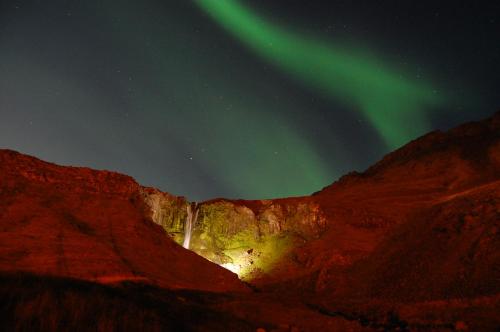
(247, 237)
(168, 211)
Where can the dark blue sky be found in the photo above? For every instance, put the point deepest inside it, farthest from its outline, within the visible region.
(160, 91)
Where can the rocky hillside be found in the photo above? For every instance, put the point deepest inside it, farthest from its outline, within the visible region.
(411, 243)
(414, 234)
(435, 207)
(92, 225)
(314, 240)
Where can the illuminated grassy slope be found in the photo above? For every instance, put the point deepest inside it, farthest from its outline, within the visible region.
(395, 106)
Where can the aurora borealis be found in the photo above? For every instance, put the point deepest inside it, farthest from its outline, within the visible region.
(235, 98)
(395, 106)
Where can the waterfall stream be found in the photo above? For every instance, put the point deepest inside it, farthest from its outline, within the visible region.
(192, 215)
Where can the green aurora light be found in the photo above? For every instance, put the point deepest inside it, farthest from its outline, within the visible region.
(250, 148)
(395, 106)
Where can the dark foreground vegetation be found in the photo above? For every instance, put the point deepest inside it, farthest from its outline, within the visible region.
(34, 303)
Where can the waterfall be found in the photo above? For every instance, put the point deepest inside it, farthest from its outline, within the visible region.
(192, 215)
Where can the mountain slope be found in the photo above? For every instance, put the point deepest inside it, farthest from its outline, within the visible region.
(435, 207)
(411, 243)
(343, 237)
(93, 225)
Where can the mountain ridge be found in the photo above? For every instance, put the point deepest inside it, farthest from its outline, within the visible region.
(415, 234)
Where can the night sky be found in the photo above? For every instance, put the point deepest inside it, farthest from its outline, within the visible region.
(240, 98)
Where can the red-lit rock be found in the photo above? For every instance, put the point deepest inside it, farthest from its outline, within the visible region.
(93, 225)
(412, 242)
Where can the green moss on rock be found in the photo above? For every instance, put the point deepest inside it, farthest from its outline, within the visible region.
(232, 235)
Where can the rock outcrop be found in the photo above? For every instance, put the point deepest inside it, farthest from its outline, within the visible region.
(247, 237)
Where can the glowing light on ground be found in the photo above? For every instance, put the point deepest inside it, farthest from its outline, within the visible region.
(235, 268)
